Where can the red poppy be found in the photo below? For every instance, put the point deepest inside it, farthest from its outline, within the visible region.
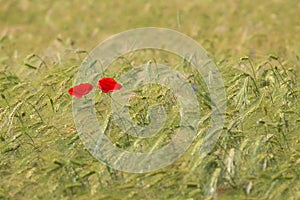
(80, 90)
(108, 85)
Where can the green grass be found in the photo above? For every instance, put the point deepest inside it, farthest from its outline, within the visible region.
(256, 47)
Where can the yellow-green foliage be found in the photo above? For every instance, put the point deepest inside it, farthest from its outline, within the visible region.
(256, 47)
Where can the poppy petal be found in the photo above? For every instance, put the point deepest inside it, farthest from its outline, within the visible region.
(108, 85)
(118, 86)
(80, 90)
(71, 91)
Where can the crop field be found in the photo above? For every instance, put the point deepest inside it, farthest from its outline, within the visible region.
(256, 48)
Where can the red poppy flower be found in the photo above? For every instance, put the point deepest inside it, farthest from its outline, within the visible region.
(108, 85)
(80, 90)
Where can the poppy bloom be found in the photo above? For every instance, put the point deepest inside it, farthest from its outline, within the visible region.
(80, 90)
(108, 85)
